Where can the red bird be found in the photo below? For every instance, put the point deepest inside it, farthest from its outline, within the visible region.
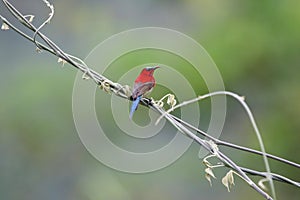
(143, 84)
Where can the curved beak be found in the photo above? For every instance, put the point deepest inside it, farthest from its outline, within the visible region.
(156, 67)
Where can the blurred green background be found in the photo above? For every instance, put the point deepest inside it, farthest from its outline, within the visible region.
(255, 44)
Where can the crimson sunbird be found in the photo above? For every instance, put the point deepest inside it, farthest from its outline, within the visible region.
(143, 84)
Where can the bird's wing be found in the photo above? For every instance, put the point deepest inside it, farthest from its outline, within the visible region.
(141, 88)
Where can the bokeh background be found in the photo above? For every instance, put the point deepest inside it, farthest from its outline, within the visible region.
(255, 44)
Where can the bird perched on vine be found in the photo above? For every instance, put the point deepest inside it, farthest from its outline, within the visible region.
(143, 84)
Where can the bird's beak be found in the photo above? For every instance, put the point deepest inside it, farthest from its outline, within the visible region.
(156, 67)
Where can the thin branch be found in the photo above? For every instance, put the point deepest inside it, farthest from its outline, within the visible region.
(241, 100)
(51, 14)
(274, 176)
(213, 150)
(235, 146)
(115, 88)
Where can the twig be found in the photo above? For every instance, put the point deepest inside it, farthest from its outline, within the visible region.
(235, 146)
(213, 150)
(241, 100)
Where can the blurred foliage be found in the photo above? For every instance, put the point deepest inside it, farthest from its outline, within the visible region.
(255, 44)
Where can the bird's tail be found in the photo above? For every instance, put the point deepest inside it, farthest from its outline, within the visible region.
(134, 105)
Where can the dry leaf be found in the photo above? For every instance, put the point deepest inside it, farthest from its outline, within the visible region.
(30, 18)
(60, 60)
(85, 76)
(208, 174)
(4, 27)
(262, 185)
(228, 180)
(171, 100)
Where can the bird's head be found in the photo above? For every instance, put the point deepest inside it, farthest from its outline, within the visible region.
(152, 68)
(149, 70)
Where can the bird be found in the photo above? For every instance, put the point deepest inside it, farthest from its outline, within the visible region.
(143, 85)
